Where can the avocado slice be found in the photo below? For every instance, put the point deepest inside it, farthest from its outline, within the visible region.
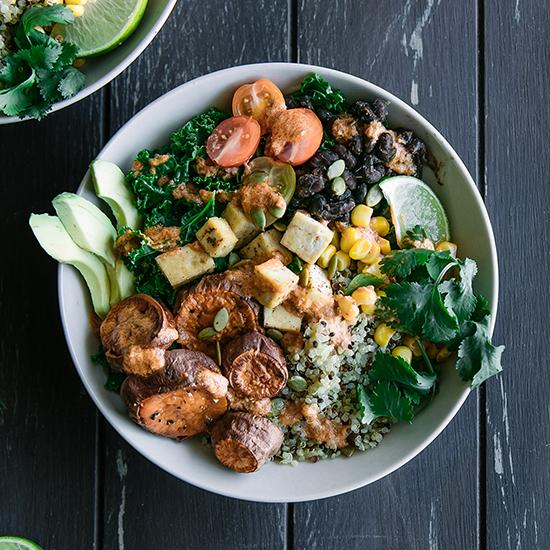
(110, 185)
(87, 225)
(56, 241)
(125, 280)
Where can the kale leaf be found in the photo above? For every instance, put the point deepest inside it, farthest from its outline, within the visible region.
(114, 378)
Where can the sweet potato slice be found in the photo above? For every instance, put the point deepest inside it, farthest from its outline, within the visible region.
(199, 306)
(137, 322)
(244, 442)
(255, 365)
(180, 401)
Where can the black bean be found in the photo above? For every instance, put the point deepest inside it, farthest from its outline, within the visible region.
(305, 102)
(369, 145)
(360, 193)
(363, 111)
(290, 102)
(309, 184)
(385, 147)
(372, 170)
(325, 116)
(348, 177)
(345, 155)
(380, 109)
(418, 149)
(404, 136)
(323, 159)
(355, 145)
(318, 205)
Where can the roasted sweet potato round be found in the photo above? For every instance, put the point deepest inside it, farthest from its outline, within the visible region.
(180, 401)
(255, 365)
(137, 322)
(199, 306)
(244, 442)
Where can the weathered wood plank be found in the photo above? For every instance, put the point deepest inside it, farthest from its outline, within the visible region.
(426, 53)
(48, 427)
(518, 198)
(145, 507)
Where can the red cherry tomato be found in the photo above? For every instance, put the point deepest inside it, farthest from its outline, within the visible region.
(234, 141)
(296, 135)
(260, 100)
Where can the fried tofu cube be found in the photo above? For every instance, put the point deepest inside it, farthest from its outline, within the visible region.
(185, 263)
(241, 225)
(274, 282)
(217, 237)
(306, 237)
(280, 318)
(264, 246)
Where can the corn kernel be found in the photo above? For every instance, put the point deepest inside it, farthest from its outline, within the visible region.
(365, 296)
(349, 237)
(360, 249)
(381, 225)
(361, 215)
(76, 2)
(368, 309)
(79, 62)
(444, 246)
(442, 355)
(404, 352)
(326, 256)
(383, 334)
(411, 343)
(381, 294)
(385, 246)
(374, 269)
(373, 256)
(78, 11)
(348, 308)
(343, 260)
(431, 349)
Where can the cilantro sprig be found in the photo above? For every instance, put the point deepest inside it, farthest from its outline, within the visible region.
(39, 72)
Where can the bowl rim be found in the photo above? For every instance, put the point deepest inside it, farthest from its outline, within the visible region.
(112, 74)
(444, 422)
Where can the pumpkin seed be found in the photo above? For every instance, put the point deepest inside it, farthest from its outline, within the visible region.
(274, 334)
(304, 277)
(280, 226)
(277, 211)
(374, 196)
(332, 267)
(297, 383)
(258, 218)
(338, 186)
(233, 259)
(336, 169)
(277, 405)
(219, 353)
(207, 333)
(221, 319)
(348, 451)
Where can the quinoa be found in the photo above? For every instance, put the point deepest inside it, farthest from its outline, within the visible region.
(332, 375)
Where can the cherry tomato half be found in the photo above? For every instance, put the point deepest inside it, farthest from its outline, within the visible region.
(295, 136)
(260, 100)
(234, 141)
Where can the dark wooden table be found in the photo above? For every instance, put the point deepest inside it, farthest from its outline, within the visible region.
(480, 72)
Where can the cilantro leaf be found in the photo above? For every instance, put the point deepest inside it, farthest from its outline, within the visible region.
(363, 279)
(386, 400)
(459, 296)
(417, 233)
(482, 308)
(71, 82)
(41, 57)
(395, 369)
(402, 263)
(38, 16)
(321, 94)
(478, 359)
(17, 99)
(367, 415)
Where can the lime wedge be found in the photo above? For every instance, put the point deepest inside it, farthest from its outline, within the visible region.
(412, 203)
(17, 543)
(105, 25)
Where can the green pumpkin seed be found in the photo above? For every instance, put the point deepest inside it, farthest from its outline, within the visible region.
(258, 218)
(348, 451)
(304, 277)
(374, 196)
(277, 405)
(233, 259)
(338, 186)
(275, 334)
(297, 383)
(277, 211)
(336, 169)
(221, 319)
(207, 333)
(280, 226)
(332, 267)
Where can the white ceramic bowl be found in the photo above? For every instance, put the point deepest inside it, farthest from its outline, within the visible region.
(189, 460)
(101, 70)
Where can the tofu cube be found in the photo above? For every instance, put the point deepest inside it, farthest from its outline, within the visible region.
(264, 246)
(217, 237)
(241, 225)
(274, 282)
(306, 237)
(185, 263)
(280, 318)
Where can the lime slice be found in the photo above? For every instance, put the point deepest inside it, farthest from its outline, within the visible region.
(412, 203)
(105, 25)
(17, 543)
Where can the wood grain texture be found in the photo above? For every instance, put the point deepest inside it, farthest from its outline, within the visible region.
(144, 506)
(518, 197)
(48, 426)
(425, 52)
